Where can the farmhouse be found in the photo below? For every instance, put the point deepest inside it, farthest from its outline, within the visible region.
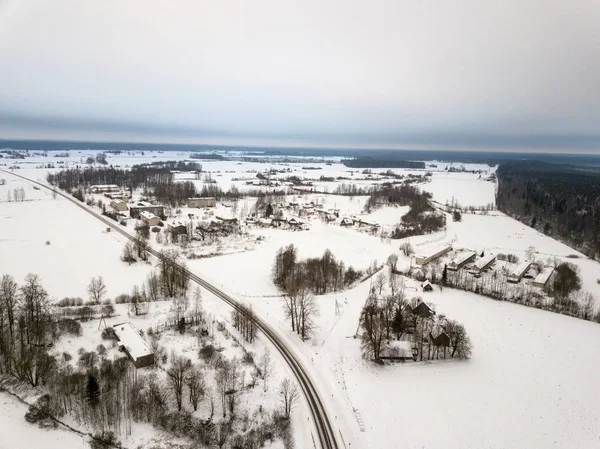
(481, 264)
(149, 218)
(542, 278)
(118, 205)
(136, 208)
(518, 272)
(438, 252)
(104, 188)
(132, 344)
(461, 260)
(202, 202)
(176, 227)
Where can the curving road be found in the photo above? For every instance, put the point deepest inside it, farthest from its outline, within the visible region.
(326, 435)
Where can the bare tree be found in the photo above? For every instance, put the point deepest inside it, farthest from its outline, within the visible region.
(8, 309)
(198, 312)
(222, 377)
(196, 386)
(407, 249)
(128, 254)
(266, 367)
(373, 329)
(288, 391)
(96, 289)
(530, 253)
(177, 376)
(308, 309)
(221, 435)
(587, 306)
(210, 394)
(153, 287)
(380, 281)
(459, 340)
(179, 307)
(392, 281)
(393, 262)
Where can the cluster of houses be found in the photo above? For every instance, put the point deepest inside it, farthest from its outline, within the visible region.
(475, 266)
(405, 350)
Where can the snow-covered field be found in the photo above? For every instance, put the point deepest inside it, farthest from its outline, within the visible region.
(63, 245)
(466, 189)
(531, 382)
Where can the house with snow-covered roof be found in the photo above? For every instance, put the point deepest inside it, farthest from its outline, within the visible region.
(149, 218)
(543, 277)
(518, 273)
(132, 344)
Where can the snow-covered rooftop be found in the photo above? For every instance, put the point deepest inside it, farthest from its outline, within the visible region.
(521, 268)
(132, 340)
(434, 251)
(483, 261)
(147, 215)
(544, 275)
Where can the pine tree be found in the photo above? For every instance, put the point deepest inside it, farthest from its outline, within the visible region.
(445, 275)
(92, 391)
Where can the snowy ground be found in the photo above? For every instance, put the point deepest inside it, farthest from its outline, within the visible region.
(530, 383)
(19, 434)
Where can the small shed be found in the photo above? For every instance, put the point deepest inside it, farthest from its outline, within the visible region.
(426, 286)
(132, 344)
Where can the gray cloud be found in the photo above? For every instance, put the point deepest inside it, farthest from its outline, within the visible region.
(462, 74)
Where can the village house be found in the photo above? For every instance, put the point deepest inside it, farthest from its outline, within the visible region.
(481, 264)
(133, 345)
(543, 277)
(176, 227)
(136, 208)
(434, 254)
(423, 310)
(118, 205)
(461, 260)
(104, 188)
(201, 202)
(149, 218)
(518, 272)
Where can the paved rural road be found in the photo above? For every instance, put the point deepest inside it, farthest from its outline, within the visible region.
(326, 435)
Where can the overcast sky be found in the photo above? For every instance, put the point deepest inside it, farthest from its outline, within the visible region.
(507, 75)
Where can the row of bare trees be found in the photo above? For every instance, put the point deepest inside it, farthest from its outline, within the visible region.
(244, 320)
(320, 274)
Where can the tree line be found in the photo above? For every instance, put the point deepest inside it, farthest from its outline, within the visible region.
(560, 201)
